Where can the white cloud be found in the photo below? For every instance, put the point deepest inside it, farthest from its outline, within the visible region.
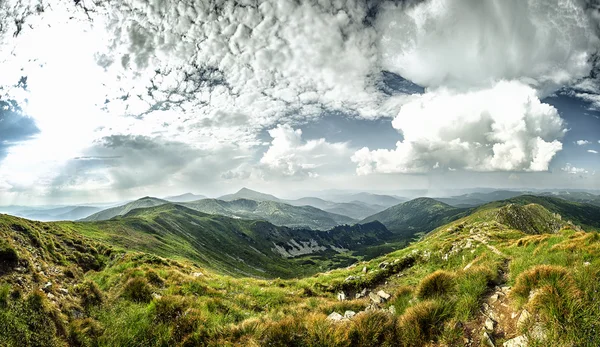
(573, 170)
(505, 128)
(462, 43)
(592, 151)
(290, 155)
(582, 142)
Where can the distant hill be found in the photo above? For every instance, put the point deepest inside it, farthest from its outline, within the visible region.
(185, 197)
(582, 197)
(277, 213)
(479, 198)
(418, 215)
(121, 210)
(356, 210)
(249, 194)
(57, 213)
(368, 198)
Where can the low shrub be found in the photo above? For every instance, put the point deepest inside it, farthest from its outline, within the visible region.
(138, 290)
(436, 284)
(374, 328)
(90, 294)
(423, 322)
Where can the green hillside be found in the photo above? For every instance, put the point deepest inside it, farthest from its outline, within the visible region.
(130, 281)
(235, 246)
(416, 216)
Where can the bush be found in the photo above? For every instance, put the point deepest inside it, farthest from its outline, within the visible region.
(137, 290)
(84, 332)
(286, 332)
(169, 307)
(436, 284)
(154, 278)
(7, 253)
(90, 294)
(374, 328)
(542, 275)
(423, 322)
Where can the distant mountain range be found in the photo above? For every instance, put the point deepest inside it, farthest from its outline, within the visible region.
(187, 197)
(124, 209)
(275, 212)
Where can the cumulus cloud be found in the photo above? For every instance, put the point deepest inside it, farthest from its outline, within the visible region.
(464, 43)
(486, 65)
(290, 155)
(582, 142)
(505, 128)
(568, 168)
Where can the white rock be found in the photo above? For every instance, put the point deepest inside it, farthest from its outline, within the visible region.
(392, 309)
(50, 296)
(64, 291)
(538, 332)
(156, 296)
(349, 314)
(335, 317)
(587, 263)
(519, 341)
(523, 319)
(384, 295)
(349, 278)
(486, 340)
(197, 274)
(489, 324)
(494, 298)
(364, 270)
(341, 296)
(375, 298)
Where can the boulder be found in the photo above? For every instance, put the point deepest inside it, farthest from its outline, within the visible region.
(523, 319)
(361, 294)
(335, 317)
(489, 325)
(384, 295)
(341, 296)
(519, 341)
(364, 270)
(349, 314)
(375, 298)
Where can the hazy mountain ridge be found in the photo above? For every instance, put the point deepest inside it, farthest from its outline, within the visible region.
(277, 213)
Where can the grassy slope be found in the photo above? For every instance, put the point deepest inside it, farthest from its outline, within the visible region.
(146, 300)
(415, 216)
(232, 246)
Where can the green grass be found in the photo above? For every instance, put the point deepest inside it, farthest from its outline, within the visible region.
(122, 291)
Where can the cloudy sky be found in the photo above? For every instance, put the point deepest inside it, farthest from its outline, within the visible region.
(117, 100)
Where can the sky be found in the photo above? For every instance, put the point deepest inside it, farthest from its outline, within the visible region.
(118, 100)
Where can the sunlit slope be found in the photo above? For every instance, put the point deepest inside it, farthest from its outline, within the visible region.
(59, 287)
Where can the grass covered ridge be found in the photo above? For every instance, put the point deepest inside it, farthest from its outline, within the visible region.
(102, 295)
